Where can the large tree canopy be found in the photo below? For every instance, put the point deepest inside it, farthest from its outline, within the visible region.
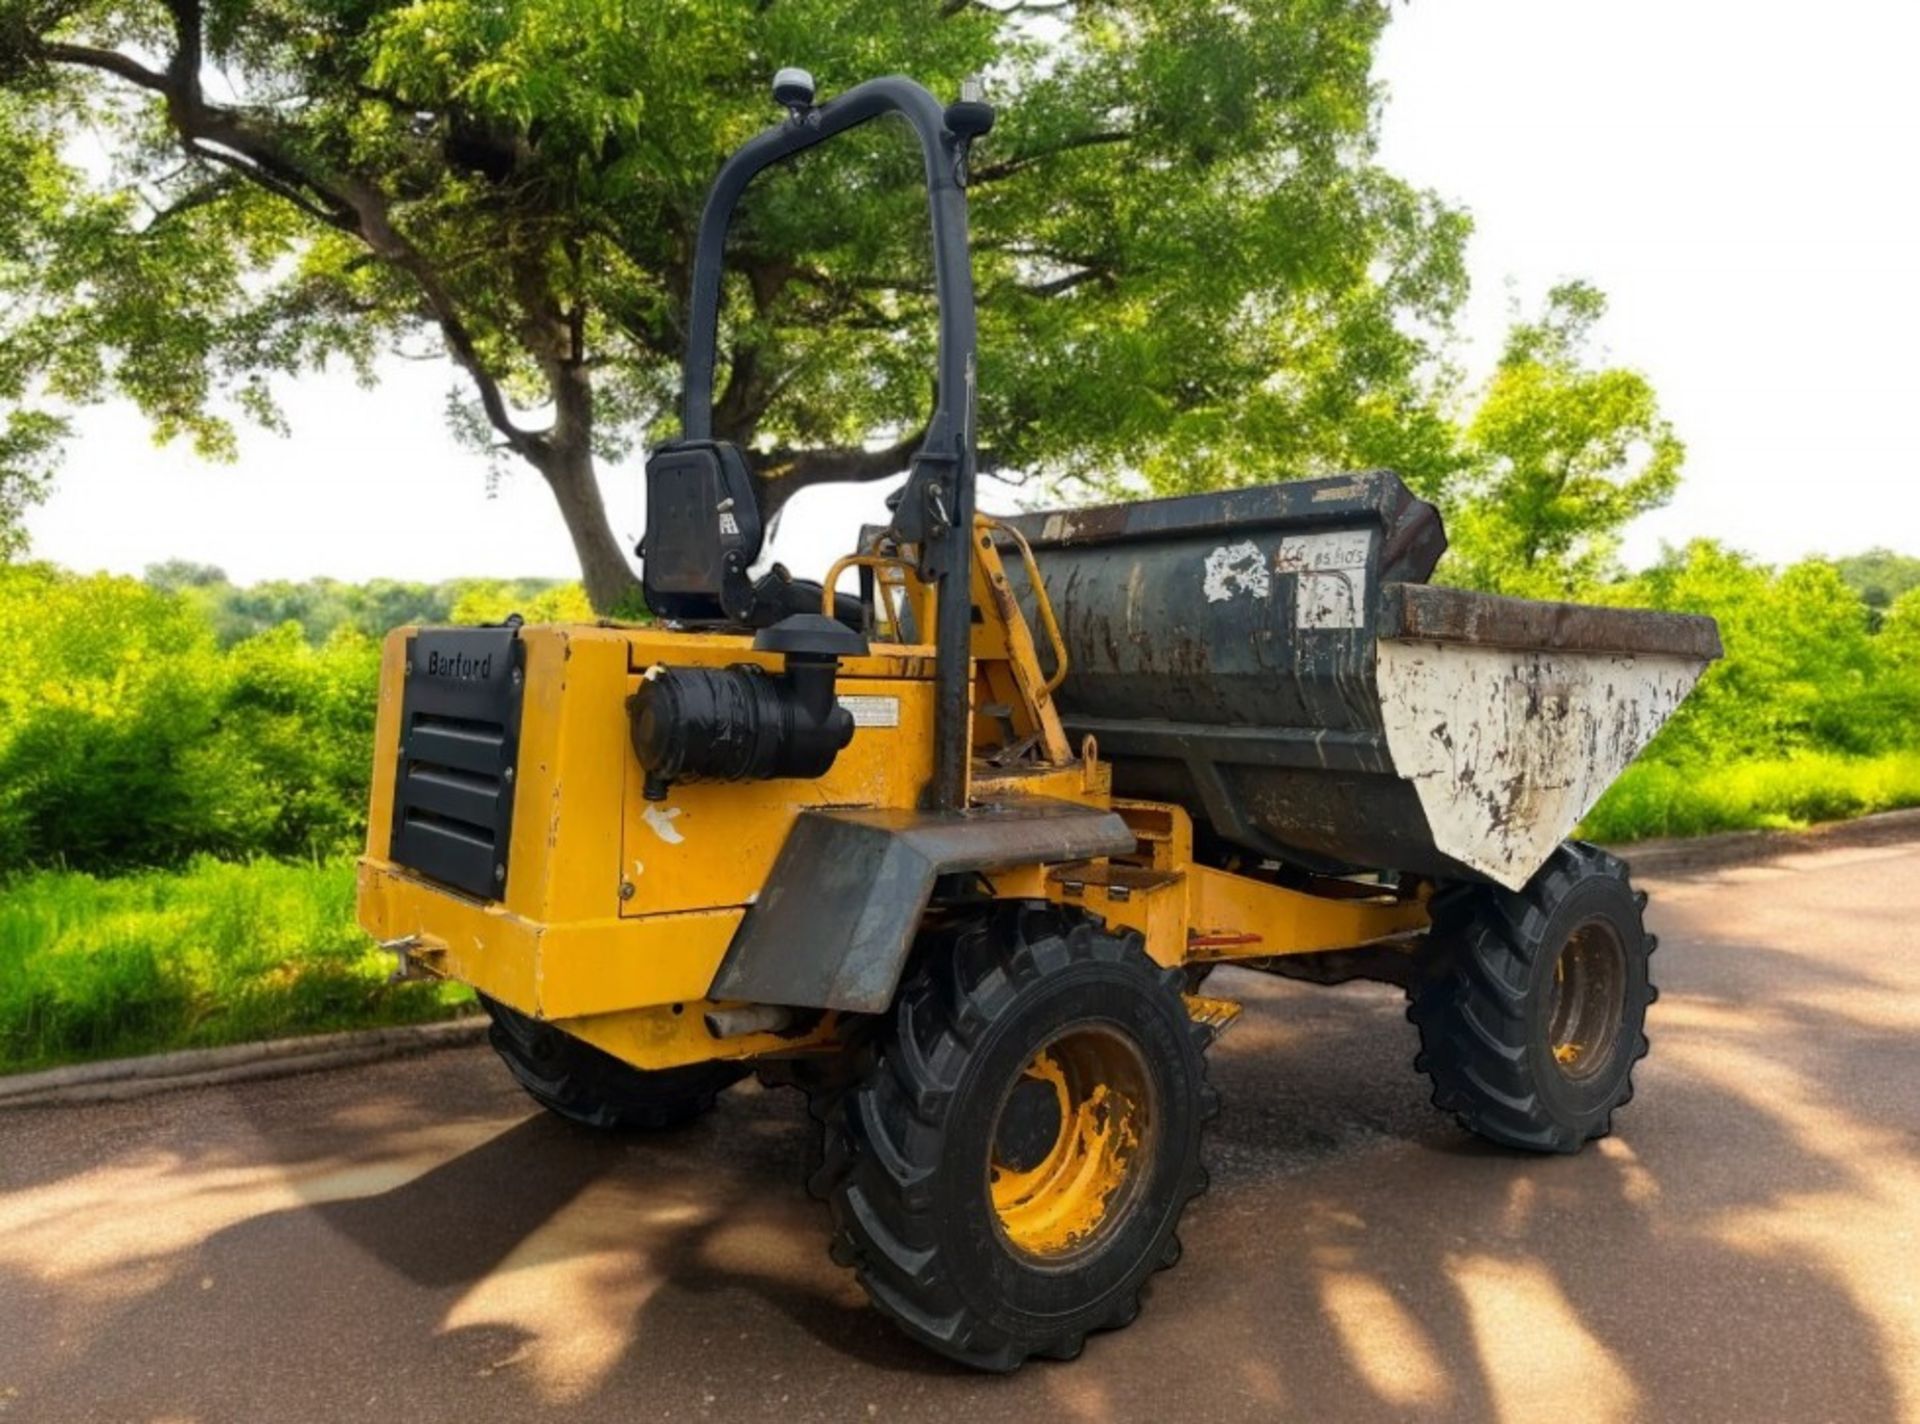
(1192, 270)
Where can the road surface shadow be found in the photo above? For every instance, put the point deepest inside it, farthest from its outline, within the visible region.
(1358, 1256)
(722, 1176)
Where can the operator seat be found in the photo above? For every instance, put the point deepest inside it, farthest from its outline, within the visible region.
(704, 531)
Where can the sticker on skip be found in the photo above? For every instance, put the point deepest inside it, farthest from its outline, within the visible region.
(872, 711)
(1332, 583)
(1236, 568)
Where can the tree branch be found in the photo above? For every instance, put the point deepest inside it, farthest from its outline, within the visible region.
(781, 474)
(826, 282)
(253, 144)
(950, 8)
(108, 61)
(1068, 282)
(212, 190)
(263, 179)
(1006, 168)
(230, 138)
(379, 234)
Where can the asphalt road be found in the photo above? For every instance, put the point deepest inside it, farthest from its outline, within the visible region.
(409, 1242)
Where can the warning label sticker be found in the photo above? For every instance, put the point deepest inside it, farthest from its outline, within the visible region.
(873, 711)
(1332, 573)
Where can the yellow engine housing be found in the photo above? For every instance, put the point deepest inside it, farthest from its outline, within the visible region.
(616, 912)
(614, 904)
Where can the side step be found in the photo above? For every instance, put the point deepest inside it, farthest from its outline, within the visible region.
(1217, 1014)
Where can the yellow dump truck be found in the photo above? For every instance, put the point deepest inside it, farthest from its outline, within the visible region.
(952, 839)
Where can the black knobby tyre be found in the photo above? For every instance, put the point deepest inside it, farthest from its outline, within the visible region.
(987, 1223)
(1532, 1006)
(574, 1080)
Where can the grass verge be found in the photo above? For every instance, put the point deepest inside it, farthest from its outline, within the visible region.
(1784, 793)
(214, 953)
(222, 952)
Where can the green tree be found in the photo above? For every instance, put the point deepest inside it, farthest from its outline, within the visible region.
(1899, 636)
(174, 575)
(1559, 456)
(1190, 263)
(1801, 671)
(1881, 576)
(29, 451)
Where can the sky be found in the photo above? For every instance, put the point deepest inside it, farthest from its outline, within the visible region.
(1737, 175)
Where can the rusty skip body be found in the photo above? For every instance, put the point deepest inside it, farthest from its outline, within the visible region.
(1274, 660)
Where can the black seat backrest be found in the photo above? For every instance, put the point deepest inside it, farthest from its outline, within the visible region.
(703, 532)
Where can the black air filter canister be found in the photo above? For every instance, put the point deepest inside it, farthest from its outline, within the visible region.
(739, 723)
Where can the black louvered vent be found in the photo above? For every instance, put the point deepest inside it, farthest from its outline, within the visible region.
(459, 739)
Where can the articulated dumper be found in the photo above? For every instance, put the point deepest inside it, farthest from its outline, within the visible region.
(952, 839)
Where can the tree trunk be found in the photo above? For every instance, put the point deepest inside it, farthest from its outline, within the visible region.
(604, 570)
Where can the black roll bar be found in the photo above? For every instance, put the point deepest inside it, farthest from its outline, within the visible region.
(937, 509)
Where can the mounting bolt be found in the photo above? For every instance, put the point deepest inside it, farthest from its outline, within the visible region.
(499, 874)
(626, 889)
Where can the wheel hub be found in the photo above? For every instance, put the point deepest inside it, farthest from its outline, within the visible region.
(1588, 1000)
(1070, 1143)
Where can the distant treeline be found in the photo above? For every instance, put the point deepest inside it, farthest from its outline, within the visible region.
(323, 606)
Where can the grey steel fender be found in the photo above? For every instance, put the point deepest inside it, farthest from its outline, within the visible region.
(838, 912)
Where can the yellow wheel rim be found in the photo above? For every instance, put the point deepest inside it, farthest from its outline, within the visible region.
(1071, 1143)
(1586, 1003)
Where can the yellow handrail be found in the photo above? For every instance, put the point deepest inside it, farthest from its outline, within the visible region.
(1040, 599)
(876, 562)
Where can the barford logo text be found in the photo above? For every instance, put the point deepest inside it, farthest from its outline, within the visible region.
(460, 667)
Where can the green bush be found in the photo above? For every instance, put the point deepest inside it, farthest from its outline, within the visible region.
(1811, 716)
(135, 732)
(1899, 638)
(491, 600)
(1802, 671)
(129, 738)
(1656, 798)
(213, 953)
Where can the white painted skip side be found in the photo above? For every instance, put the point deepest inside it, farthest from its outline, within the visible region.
(1508, 748)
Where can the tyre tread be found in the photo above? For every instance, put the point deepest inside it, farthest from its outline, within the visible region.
(573, 1080)
(1471, 1005)
(882, 1213)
